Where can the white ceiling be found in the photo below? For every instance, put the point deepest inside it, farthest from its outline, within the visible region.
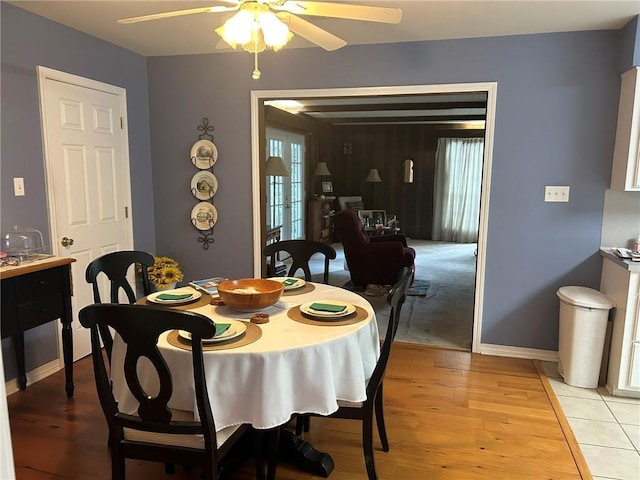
(422, 20)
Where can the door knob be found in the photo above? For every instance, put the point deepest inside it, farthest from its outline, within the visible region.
(66, 242)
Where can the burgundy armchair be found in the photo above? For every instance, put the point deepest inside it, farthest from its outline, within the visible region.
(376, 260)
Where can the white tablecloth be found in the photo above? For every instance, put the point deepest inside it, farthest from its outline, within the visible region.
(292, 368)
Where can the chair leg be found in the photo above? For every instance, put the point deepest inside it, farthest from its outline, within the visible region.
(273, 442)
(117, 465)
(271, 438)
(258, 448)
(367, 445)
(382, 431)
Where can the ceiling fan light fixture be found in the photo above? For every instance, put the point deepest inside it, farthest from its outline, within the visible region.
(254, 27)
(276, 33)
(238, 29)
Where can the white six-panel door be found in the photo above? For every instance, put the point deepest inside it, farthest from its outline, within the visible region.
(88, 185)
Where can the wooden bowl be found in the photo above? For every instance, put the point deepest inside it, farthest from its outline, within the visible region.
(250, 294)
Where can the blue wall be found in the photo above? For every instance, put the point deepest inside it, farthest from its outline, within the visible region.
(555, 121)
(29, 41)
(556, 113)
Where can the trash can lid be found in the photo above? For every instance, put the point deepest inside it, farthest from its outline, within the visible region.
(585, 297)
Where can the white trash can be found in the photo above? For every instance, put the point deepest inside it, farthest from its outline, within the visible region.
(584, 313)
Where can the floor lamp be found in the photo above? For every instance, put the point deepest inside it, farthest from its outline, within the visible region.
(373, 177)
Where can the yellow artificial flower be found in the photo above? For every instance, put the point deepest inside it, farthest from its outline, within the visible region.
(164, 271)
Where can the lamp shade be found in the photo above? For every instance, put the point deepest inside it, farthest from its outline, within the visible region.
(373, 176)
(322, 169)
(275, 167)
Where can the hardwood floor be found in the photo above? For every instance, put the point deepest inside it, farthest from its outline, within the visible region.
(449, 415)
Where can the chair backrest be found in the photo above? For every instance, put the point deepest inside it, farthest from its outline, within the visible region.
(349, 229)
(395, 299)
(301, 252)
(115, 266)
(353, 202)
(140, 326)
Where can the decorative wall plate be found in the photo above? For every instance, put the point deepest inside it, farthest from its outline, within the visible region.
(204, 216)
(204, 154)
(204, 185)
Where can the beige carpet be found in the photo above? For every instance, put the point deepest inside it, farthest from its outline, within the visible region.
(444, 316)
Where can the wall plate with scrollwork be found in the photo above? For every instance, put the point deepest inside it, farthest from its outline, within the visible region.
(204, 185)
(204, 154)
(204, 216)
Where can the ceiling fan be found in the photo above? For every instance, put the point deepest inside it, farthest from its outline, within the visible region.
(271, 23)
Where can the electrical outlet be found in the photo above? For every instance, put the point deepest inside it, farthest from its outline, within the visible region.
(556, 194)
(18, 186)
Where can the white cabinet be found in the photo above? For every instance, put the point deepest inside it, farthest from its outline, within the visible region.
(621, 282)
(625, 174)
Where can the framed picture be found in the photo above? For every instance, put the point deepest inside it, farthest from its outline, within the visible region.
(371, 218)
(327, 187)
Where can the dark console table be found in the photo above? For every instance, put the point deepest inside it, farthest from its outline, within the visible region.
(34, 293)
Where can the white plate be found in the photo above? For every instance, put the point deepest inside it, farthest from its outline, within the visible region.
(299, 282)
(306, 309)
(204, 216)
(204, 185)
(236, 329)
(204, 154)
(178, 291)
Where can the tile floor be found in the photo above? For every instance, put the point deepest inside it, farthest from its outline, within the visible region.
(606, 427)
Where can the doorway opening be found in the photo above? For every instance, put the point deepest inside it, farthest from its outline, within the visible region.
(258, 99)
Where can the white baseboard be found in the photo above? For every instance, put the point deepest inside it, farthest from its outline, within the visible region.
(43, 371)
(519, 352)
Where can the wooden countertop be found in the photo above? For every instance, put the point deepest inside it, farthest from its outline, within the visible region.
(34, 266)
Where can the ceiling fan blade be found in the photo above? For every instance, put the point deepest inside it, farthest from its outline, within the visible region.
(177, 13)
(341, 10)
(311, 32)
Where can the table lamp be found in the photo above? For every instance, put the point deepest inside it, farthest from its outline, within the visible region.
(322, 171)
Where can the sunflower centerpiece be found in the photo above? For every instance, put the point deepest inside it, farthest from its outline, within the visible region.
(165, 273)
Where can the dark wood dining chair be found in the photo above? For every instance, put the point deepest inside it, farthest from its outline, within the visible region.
(115, 266)
(301, 252)
(156, 432)
(364, 411)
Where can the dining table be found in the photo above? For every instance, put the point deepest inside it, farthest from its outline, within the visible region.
(295, 363)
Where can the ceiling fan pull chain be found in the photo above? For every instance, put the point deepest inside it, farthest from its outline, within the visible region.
(256, 73)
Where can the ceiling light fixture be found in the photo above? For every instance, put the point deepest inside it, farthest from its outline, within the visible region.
(254, 28)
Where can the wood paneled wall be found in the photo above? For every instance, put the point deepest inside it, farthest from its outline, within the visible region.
(351, 151)
(385, 147)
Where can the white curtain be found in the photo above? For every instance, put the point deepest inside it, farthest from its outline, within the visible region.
(458, 178)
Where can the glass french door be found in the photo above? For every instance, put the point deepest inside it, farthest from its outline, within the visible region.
(285, 195)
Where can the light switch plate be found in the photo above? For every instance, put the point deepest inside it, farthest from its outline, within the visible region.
(556, 193)
(18, 186)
